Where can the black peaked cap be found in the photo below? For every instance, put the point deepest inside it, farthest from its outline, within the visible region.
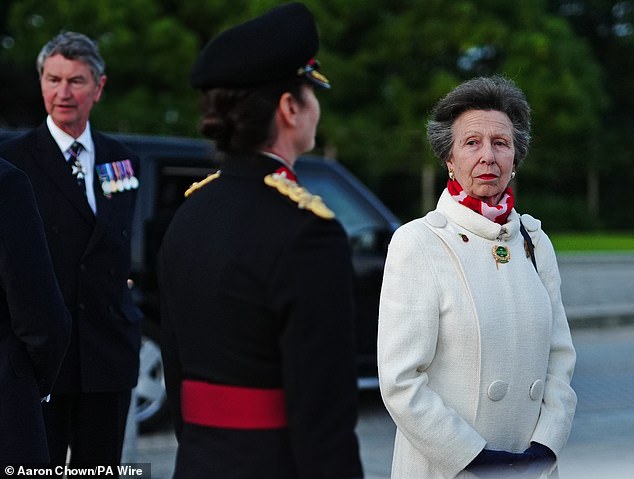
(275, 46)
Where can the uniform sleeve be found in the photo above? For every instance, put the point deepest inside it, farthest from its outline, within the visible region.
(39, 318)
(560, 401)
(409, 317)
(169, 351)
(315, 295)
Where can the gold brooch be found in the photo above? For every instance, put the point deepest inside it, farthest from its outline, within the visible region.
(304, 199)
(501, 254)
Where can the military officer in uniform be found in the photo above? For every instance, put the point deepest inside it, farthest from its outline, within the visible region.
(255, 274)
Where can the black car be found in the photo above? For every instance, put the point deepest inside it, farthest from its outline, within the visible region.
(169, 165)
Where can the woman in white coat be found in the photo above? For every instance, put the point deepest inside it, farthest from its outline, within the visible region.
(474, 349)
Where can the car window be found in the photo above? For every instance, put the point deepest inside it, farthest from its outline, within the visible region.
(173, 181)
(355, 212)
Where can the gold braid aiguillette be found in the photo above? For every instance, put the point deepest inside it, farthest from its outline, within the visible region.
(304, 199)
(201, 183)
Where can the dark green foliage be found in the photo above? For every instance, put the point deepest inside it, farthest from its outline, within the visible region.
(389, 62)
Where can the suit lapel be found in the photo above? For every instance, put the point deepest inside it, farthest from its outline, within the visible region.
(104, 204)
(51, 160)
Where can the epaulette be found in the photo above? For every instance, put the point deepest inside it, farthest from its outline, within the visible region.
(304, 199)
(199, 184)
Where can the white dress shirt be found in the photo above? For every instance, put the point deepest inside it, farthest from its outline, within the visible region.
(86, 156)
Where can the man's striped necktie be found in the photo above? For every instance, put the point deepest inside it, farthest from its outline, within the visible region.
(77, 170)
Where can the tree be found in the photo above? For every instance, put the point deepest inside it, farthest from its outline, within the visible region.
(147, 53)
(608, 28)
(389, 61)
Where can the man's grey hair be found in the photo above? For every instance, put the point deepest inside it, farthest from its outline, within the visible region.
(483, 93)
(73, 46)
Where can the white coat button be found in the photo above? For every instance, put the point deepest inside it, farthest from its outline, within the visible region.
(497, 390)
(436, 219)
(537, 390)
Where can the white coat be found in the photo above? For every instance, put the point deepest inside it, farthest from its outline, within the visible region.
(471, 352)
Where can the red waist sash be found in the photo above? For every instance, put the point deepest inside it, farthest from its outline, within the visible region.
(232, 407)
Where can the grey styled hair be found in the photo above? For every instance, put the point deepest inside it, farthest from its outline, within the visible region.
(73, 46)
(484, 93)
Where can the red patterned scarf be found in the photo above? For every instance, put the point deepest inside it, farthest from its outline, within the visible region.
(498, 213)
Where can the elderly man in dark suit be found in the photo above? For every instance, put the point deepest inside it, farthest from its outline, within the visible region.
(34, 324)
(85, 185)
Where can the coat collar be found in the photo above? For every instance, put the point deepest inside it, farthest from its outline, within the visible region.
(476, 223)
(248, 165)
(51, 160)
(64, 140)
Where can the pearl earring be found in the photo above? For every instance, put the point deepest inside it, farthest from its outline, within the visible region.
(451, 175)
(512, 174)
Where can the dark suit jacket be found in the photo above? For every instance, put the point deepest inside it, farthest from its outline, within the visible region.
(34, 324)
(91, 257)
(257, 293)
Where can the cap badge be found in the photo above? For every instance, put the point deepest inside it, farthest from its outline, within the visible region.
(311, 72)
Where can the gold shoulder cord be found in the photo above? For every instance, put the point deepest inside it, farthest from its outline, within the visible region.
(304, 199)
(201, 183)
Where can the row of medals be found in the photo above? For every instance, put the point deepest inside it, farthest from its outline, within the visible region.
(117, 177)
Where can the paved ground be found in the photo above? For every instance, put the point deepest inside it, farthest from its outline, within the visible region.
(597, 285)
(601, 443)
